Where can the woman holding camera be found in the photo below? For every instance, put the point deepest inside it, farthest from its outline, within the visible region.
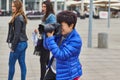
(66, 47)
(49, 17)
(18, 39)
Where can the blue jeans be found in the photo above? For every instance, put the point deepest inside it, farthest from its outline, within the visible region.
(18, 54)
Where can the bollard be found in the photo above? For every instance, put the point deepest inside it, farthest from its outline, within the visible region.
(102, 40)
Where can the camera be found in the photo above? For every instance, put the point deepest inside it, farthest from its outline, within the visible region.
(44, 28)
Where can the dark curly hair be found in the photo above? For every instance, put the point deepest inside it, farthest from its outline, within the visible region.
(67, 17)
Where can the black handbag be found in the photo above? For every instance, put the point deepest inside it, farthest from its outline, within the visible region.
(39, 48)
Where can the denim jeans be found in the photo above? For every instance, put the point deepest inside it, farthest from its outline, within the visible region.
(18, 54)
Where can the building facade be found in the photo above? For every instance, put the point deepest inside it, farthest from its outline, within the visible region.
(30, 4)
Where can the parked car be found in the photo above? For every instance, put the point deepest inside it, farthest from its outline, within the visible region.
(34, 14)
(0, 12)
(4, 12)
(77, 13)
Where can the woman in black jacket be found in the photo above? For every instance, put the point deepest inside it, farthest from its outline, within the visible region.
(17, 39)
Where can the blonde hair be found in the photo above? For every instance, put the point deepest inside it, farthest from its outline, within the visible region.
(19, 11)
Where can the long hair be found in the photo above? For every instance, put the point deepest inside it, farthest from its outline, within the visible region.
(19, 11)
(49, 9)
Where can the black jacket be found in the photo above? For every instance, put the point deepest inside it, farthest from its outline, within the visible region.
(17, 32)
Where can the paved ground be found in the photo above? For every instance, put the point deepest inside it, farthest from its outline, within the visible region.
(98, 64)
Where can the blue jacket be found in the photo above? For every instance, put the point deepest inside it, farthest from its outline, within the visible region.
(50, 19)
(67, 55)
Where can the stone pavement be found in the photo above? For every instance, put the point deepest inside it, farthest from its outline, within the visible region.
(98, 63)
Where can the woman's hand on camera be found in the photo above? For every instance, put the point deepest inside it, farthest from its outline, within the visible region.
(12, 50)
(49, 34)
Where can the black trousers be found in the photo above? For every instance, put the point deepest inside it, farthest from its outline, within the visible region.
(50, 75)
(44, 59)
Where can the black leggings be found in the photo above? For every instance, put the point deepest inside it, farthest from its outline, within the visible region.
(50, 75)
(44, 58)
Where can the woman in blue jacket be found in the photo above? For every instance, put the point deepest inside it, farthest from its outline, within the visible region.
(49, 18)
(66, 47)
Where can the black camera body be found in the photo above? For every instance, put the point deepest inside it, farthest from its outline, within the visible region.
(44, 28)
